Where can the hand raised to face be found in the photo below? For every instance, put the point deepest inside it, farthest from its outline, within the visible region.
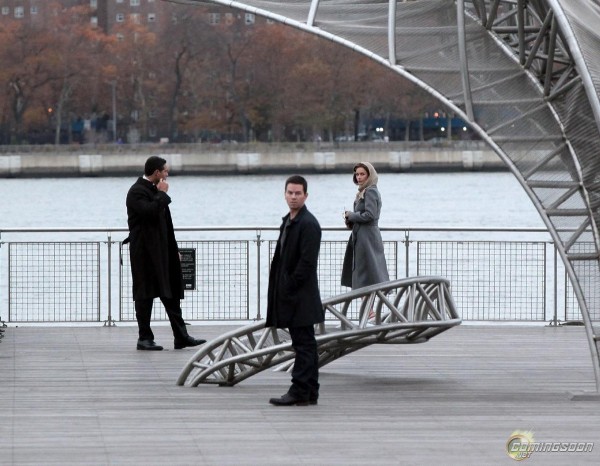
(163, 186)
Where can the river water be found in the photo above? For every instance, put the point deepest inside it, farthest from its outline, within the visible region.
(463, 199)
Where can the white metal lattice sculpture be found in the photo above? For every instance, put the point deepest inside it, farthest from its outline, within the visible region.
(525, 74)
(404, 311)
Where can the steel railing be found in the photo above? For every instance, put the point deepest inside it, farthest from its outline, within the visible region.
(77, 275)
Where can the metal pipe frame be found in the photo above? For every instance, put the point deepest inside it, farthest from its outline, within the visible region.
(548, 57)
(406, 311)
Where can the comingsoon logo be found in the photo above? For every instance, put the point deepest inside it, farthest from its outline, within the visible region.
(521, 445)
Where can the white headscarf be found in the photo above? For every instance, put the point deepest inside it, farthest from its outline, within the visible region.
(370, 181)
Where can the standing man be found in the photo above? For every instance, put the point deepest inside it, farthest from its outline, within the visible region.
(155, 260)
(294, 301)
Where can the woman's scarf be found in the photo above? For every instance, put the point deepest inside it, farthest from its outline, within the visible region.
(370, 181)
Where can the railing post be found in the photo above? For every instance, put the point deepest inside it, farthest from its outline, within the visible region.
(258, 242)
(406, 253)
(555, 260)
(109, 322)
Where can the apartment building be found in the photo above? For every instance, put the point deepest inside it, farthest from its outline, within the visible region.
(104, 13)
(155, 13)
(109, 14)
(32, 10)
(150, 13)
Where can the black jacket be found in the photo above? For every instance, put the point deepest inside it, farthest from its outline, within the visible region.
(293, 297)
(155, 265)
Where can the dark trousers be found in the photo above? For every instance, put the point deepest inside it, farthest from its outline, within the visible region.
(305, 375)
(143, 314)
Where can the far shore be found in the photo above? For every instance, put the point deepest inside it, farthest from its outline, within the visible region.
(256, 158)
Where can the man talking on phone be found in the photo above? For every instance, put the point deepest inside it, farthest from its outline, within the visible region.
(154, 255)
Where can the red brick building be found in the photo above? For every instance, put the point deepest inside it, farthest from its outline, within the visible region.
(108, 14)
(32, 10)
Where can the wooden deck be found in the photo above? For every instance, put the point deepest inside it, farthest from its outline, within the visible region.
(85, 396)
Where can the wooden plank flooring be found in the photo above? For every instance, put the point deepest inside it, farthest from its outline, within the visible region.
(85, 396)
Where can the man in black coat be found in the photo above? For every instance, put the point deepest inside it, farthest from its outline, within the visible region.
(294, 301)
(154, 254)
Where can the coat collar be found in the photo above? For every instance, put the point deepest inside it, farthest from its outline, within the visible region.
(147, 183)
(297, 217)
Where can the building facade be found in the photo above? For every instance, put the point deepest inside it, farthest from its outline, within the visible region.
(33, 10)
(109, 14)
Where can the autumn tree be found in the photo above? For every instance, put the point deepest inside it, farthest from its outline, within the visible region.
(134, 56)
(7, 34)
(272, 107)
(347, 87)
(191, 78)
(232, 57)
(201, 108)
(221, 82)
(76, 59)
(26, 71)
(44, 66)
(391, 96)
(183, 57)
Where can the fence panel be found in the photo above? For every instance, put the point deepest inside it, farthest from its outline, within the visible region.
(490, 280)
(54, 282)
(80, 281)
(221, 290)
(592, 292)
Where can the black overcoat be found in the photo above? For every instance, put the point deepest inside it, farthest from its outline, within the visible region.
(155, 264)
(293, 296)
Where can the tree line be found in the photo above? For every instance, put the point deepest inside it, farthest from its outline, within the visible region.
(64, 79)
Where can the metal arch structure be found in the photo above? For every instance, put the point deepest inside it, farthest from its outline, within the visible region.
(525, 74)
(410, 310)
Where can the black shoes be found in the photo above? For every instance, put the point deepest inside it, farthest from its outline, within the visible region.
(148, 345)
(188, 341)
(289, 400)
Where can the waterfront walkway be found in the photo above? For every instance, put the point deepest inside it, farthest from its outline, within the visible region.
(85, 396)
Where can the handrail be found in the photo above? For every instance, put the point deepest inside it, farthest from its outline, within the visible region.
(411, 250)
(274, 228)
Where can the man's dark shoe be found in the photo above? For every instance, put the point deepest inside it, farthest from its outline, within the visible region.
(188, 341)
(148, 345)
(289, 400)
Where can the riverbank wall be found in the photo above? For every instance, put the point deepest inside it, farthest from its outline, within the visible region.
(195, 159)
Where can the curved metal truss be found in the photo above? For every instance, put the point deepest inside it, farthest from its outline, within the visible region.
(525, 74)
(403, 311)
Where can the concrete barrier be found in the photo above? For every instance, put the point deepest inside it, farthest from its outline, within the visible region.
(90, 164)
(230, 162)
(10, 165)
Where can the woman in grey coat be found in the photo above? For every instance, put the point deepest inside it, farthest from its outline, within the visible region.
(364, 262)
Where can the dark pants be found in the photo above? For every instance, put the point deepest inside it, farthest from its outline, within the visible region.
(305, 375)
(143, 314)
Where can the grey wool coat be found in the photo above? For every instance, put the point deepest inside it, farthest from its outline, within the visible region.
(155, 265)
(364, 261)
(293, 297)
